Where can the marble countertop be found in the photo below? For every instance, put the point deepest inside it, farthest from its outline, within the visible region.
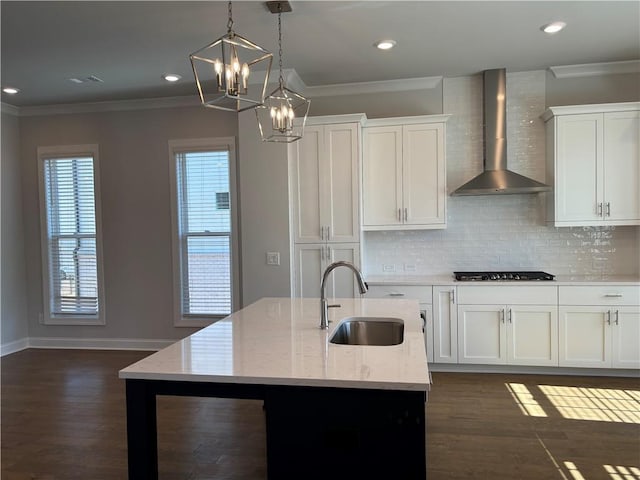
(428, 280)
(276, 341)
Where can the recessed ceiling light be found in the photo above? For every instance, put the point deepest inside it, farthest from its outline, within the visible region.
(385, 44)
(10, 90)
(553, 27)
(171, 77)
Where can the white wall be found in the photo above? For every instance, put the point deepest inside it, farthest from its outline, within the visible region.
(136, 220)
(13, 325)
(502, 232)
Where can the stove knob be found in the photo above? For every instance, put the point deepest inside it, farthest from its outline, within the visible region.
(493, 276)
(504, 276)
(516, 277)
(510, 276)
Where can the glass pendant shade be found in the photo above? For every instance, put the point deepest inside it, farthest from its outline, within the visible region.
(232, 72)
(282, 116)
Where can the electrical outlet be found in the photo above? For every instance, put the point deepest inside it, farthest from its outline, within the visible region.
(386, 267)
(409, 267)
(273, 258)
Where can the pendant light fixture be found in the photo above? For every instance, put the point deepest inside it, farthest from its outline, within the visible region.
(232, 72)
(282, 116)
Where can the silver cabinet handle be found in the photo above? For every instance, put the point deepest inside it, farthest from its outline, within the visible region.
(609, 317)
(608, 213)
(406, 214)
(399, 214)
(613, 295)
(321, 233)
(453, 296)
(328, 253)
(510, 320)
(617, 322)
(328, 232)
(396, 294)
(502, 315)
(322, 253)
(599, 209)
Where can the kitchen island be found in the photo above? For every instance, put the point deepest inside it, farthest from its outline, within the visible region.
(332, 411)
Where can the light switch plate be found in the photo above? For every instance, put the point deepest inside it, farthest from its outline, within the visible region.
(273, 258)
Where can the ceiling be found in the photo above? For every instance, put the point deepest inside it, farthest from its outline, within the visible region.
(130, 44)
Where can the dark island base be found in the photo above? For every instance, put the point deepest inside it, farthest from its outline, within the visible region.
(315, 432)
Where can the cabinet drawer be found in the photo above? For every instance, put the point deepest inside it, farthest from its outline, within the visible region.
(418, 292)
(508, 295)
(600, 295)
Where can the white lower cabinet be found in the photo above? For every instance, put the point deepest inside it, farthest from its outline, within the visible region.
(417, 292)
(523, 332)
(312, 259)
(445, 325)
(600, 336)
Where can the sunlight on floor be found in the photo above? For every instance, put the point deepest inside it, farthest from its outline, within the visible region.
(618, 472)
(573, 470)
(525, 400)
(597, 404)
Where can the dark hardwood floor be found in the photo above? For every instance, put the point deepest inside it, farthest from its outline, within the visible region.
(63, 417)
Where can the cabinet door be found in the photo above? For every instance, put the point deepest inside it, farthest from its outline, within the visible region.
(532, 335)
(482, 334)
(309, 262)
(445, 325)
(578, 192)
(306, 186)
(340, 182)
(382, 176)
(342, 282)
(622, 166)
(625, 337)
(423, 174)
(584, 337)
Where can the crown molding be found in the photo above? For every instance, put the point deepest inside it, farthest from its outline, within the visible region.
(9, 109)
(384, 86)
(595, 69)
(114, 106)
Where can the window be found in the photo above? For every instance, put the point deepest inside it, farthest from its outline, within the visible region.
(202, 174)
(70, 232)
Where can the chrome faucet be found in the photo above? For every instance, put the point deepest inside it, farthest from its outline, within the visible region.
(324, 305)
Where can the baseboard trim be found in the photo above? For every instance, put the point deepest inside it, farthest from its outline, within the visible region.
(84, 344)
(13, 347)
(522, 369)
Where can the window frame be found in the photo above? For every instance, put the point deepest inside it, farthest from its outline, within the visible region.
(176, 147)
(62, 152)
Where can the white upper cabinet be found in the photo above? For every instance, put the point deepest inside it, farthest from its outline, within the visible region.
(404, 173)
(325, 183)
(593, 163)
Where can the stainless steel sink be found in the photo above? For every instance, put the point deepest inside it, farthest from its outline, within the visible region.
(369, 331)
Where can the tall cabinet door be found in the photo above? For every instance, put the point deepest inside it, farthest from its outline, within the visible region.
(308, 264)
(306, 188)
(625, 335)
(482, 334)
(578, 167)
(382, 175)
(532, 335)
(622, 166)
(584, 336)
(342, 282)
(445, 325)
(340, 179)
(423, 174)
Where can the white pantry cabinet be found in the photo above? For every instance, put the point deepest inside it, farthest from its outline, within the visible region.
(445, 324)
(593, 163)
(599, 326)
(404, 173)
(417, 292)
(324, 181)
(521, 330)
(310, 261)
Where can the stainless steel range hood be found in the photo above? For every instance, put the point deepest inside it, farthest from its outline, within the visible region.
(496, 178)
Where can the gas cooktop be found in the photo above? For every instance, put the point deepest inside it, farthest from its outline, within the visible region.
(501, 276)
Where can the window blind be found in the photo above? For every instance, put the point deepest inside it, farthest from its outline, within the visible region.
(205, 232)
(71, 233)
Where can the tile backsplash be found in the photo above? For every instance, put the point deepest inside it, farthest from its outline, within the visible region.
(500, 232)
